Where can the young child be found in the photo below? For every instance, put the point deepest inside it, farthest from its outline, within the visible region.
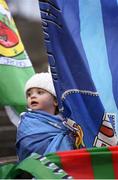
(41, 129)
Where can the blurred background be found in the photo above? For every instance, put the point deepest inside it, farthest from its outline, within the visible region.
(26, 15)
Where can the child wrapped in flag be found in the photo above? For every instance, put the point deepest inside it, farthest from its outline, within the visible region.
(42, 129)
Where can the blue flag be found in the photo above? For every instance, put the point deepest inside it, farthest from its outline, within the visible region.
(81, 40)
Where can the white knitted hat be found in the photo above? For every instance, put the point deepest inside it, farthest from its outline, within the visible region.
(41, 80)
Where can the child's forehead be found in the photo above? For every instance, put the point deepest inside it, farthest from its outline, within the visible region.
(36, 89)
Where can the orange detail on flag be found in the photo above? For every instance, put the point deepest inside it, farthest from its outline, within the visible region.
(107, 131)
(8, 38)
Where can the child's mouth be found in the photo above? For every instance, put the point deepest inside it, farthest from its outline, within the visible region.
(34, 103)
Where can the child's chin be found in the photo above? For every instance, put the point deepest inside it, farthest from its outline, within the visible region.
(34, 108)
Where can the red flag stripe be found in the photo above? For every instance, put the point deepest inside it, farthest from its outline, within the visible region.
(114, 150)
(77, 163)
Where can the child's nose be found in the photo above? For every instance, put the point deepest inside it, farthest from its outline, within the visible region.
(33, 95)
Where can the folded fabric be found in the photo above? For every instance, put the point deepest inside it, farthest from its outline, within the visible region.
(42, 133)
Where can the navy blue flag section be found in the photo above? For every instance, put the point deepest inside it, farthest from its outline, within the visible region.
(82, 45)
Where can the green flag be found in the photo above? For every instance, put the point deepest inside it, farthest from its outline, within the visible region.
(34, 166)
(91, 163)
(15, 66)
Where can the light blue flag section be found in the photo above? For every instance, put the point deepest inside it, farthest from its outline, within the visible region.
(33, 139)
(82, 46)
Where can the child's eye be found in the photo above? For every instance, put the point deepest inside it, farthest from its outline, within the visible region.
(40, 92)
(28, 94)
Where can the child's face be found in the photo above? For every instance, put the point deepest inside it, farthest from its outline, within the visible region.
(39, 99)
